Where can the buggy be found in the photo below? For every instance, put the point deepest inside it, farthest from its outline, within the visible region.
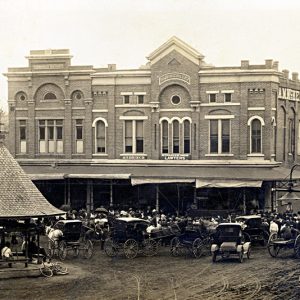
(255, 231)
(192, 239)
(229, 240)
(129, 235)
(279, 242)
(70, 241)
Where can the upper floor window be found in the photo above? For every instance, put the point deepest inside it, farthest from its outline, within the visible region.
(79, 135)
(219, 136)
(126, 99)
(176, 140)
(50, 136)
(50, 96)
(133, 136)
(165, 136)
(140, 99)
(186, 136)
(100, 137)
(175, 100)
(212, 97)
(292, 136)
(256, 133)
(22, 134)
(227, 97)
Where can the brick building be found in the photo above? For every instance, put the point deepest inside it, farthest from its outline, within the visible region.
(174, 133)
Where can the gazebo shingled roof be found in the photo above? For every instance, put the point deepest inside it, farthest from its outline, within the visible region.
(19, 197)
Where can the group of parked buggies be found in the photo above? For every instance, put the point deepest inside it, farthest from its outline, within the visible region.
(129, 236)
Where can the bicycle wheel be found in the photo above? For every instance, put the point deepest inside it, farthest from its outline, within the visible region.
(51, 248)
(46, 271)
(60, 269)
(88, 249)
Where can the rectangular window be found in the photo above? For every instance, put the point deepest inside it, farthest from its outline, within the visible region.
(227, 97)
(219, 136)
(126, 99)
(140, 99)
(134, 136)
(79, 135)
(187, 138)
(165, 137)
(50, 136)
(176, 148)
(23, 145)
(100, 137)
(212, 98)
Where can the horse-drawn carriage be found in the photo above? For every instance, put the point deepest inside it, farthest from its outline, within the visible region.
(281, 241)
(193, 240)
(229, 240)
(70, 240)
(129, 235)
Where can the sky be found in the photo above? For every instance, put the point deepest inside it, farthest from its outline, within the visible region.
(124, 32)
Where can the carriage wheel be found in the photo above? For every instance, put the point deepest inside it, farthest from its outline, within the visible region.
(198, 247)
(75, 251)
(249, 252)
(88, 249)
(273, 249)
(51, 248)
(150, 247)
(175, 246)
(214, 256)
(273, 236)
(247, 237)
(62, 250)
(131, 248)
(297, 247)
(264, 238)
(110, 247)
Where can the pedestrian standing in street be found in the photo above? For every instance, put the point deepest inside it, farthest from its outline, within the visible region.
(273, 227)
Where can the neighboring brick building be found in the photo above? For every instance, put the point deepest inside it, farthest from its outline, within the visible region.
(91, 136)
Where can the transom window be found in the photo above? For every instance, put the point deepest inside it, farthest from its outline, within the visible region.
(50, 96)
(219, 136)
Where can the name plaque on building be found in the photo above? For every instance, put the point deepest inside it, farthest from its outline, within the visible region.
(176, 157)
(48, 66)
(288, 94)
(133, 157)
(171, 76)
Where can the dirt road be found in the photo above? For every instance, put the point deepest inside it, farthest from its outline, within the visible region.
(165, 277)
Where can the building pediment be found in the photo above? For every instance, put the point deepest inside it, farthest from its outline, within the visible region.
(178, 45)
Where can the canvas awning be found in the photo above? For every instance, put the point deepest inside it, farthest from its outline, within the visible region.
(218, 183)
(98, 176)
(55, 176)
(138, 181)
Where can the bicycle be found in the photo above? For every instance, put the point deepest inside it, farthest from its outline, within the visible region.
(53, 268)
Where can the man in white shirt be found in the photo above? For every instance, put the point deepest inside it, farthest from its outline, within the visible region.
(6, 253)
(273, 227)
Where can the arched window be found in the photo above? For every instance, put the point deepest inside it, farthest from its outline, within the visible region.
(165, 136)
(186, 137)
(175, 136)
(50, 96)
(292, 133)
(256, 136)
(100, 137)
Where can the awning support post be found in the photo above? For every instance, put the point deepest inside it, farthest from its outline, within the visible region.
(244, 201)
(68, 192)
(157, 198)
(111, 201)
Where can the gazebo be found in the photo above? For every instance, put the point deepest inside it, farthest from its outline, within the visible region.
(20, 200)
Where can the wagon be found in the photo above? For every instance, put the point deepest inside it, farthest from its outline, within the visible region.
(230, 241)
(192, 240)
(254, 230)
(71, 241)
(277, 242)
(128, 235)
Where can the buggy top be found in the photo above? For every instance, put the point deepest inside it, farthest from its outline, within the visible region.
(228, 232)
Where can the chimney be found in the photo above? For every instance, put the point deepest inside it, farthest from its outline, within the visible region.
(295, 76)
(111, 67)
(269, 63)
(275, 65)
(285, 73)
(245, 64)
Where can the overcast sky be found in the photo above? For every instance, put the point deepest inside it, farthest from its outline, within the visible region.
(124, 32)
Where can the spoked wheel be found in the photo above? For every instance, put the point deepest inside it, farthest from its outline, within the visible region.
(75, 251)
(249, 252)
(88, 249)
(51, 248)
(46, 271)
(131, 248)
(241, 256)
(175, 246)
(297, 247)
(150, 247)
(62, 250)
(198, 247)
(264, 238)
(110, 247)
(273, 249)
(214, 256)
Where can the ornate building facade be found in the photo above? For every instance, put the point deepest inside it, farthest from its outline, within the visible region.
(175, 133)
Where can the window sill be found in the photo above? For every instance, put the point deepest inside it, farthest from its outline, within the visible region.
(100, 154)
(256, 155)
